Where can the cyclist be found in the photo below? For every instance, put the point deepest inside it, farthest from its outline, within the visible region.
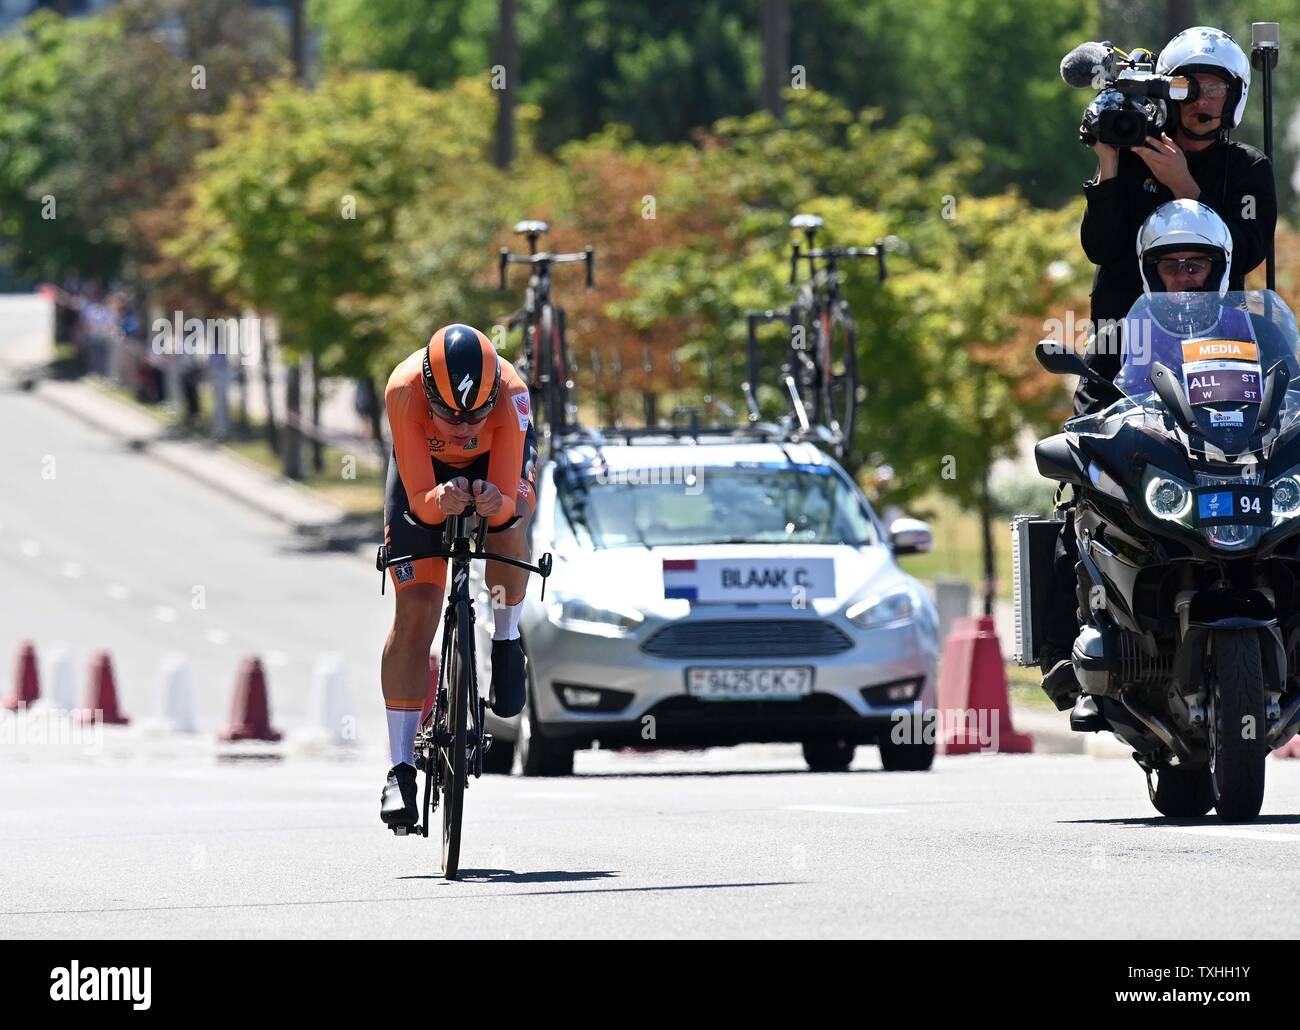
(463, 440)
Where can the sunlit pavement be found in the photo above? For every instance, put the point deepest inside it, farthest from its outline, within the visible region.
(736, 842)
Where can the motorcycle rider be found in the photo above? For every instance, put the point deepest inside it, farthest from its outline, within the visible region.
(1183, 247)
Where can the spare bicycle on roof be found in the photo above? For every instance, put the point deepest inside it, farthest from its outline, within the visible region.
(819, 374)
(545, 363)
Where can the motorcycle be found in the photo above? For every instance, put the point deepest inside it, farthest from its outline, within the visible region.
(1187, 522)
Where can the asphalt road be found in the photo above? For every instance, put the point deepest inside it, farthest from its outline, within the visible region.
(733, 843)
(104, 547)
(151, 835)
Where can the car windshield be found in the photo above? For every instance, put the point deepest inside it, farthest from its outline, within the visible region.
(1219, 350)
(744, 503)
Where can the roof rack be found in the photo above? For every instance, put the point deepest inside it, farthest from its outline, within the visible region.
(692, 432)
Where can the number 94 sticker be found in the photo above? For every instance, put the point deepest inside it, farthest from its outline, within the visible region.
(1233, 505)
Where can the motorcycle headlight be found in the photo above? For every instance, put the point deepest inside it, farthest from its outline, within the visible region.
(894, 607)
(1167, 498)
(1286, 497)
(581, 616)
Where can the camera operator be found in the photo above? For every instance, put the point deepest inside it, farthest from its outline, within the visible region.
(1197, 162)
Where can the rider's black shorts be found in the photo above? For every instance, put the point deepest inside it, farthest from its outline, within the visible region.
(400, 537)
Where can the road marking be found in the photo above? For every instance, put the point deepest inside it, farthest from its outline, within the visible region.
(217, 636)
(1234, 831)
(71, 569)
(164, 614)
(276, 658)
(117, 592)
(30, 548)
(551, 795)
(844, 809)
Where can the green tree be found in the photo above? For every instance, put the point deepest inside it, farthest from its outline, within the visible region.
(96, 124)
(976, 72)
(312, 202)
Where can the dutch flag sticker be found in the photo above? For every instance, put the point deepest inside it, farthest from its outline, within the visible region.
(680, 579)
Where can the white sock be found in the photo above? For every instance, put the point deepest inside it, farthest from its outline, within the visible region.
(402, 724)
(505, 621)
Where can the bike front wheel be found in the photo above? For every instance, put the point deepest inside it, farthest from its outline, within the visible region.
(455, 757)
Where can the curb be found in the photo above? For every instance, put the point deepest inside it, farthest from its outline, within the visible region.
(290, 503)
(1053, 736)
(1050, 730)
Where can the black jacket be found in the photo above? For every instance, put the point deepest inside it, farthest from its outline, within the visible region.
(1226, 172)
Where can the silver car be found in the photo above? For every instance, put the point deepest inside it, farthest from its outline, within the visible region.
(717, 592)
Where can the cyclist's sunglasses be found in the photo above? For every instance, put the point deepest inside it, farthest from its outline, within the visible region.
(1192, 266)
(459, 418)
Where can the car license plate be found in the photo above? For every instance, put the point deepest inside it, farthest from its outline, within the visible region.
(766, 683)
(1233, 504)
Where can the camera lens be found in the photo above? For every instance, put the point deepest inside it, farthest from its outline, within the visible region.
(1124, 125)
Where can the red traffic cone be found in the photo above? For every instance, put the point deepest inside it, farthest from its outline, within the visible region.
(101, 693)
(250, 715)
(27, 681)
(974, 710)
(433, 687)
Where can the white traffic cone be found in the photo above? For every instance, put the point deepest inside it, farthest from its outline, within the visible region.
(176, 694)
(332, 700)
(63, 679)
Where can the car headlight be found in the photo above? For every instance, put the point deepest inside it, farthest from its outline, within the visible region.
(1167, 497)
(581, 616)
(894, 606)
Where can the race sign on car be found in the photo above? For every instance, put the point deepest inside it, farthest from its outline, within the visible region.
(749, 579)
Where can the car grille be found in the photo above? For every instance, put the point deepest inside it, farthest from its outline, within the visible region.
(748, 638)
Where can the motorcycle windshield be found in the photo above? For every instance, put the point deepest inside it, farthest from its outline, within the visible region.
(1219, 350)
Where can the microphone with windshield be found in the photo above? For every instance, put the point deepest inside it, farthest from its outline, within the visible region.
(1087, 66)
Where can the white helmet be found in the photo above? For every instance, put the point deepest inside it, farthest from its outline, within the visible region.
(1184, 225)
(1210, 50)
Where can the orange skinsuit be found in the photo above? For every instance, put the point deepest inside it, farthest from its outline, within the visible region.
(424, 458)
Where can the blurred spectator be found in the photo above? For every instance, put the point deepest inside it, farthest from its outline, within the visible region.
(365, 403)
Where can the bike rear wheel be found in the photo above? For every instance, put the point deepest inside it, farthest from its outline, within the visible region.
(455, 758)
(552, 383)
(805, 345)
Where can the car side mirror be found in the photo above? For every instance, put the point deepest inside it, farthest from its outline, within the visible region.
(910, 536)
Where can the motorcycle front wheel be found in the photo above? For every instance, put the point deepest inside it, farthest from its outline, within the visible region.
(1238, 746)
